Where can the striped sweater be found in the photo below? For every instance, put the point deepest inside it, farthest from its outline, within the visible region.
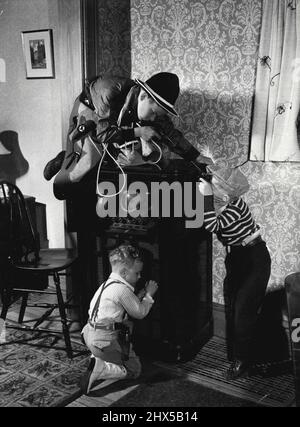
(233, 224)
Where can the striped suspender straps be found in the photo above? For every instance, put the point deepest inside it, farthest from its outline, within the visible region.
(96, 306)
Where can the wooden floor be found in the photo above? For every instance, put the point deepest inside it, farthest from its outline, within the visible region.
(100, 402)
(33, 313)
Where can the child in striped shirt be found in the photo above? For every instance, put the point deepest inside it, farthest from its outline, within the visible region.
(247, 260)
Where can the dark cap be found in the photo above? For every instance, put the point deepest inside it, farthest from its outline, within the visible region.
(164, 89)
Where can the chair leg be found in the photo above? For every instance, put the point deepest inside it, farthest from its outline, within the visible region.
(23, 308)
(6, 298)
(62, 312)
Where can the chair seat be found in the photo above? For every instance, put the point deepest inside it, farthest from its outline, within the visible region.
(50, 260)
(21, 274)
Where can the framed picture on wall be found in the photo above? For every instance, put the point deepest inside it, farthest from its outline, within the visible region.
(38, 54)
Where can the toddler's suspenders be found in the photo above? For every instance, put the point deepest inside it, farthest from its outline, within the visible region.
(96, 306)
(124, 334)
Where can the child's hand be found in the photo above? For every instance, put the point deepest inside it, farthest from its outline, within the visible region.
(205, 188)
(146, 133)
(151, 287)
(141, 294)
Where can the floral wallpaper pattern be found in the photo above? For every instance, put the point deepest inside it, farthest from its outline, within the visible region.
(114, 39)
(212, 46)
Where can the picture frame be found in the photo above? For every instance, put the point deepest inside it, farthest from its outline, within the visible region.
(38, 54)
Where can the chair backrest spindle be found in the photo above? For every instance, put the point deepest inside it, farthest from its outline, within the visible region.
(22, 242)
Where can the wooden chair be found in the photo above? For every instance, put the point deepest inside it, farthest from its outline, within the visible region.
(25, 267)
(292, 288)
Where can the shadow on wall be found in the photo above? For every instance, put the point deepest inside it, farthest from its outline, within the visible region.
(13, 165)
(216, 123)
(271, 339)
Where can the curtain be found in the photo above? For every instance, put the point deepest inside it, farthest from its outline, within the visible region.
(276, 118)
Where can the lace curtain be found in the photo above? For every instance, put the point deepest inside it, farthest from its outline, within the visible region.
(276, 117)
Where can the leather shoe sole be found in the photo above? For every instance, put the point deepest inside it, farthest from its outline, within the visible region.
(237, 371)
(85, 380)
(54, 165)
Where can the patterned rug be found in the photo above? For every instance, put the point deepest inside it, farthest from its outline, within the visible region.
(32, 376)
(271, 385)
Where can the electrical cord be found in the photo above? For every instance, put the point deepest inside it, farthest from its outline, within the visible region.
(106, 152)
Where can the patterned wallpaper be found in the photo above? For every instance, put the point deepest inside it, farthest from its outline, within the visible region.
(114, 39)
(212, 46)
